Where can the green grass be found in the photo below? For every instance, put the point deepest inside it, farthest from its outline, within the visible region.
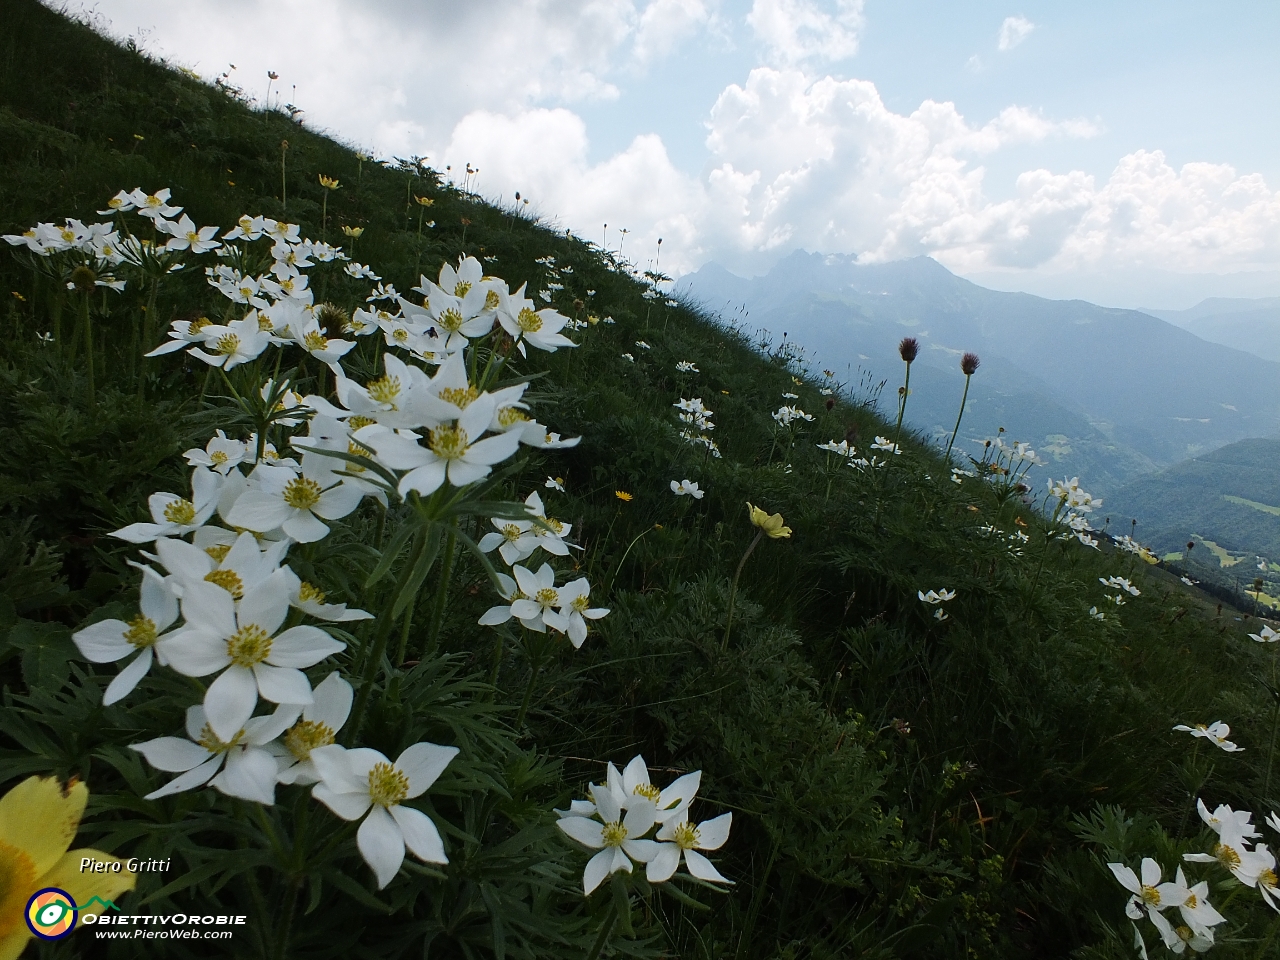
(901, 787)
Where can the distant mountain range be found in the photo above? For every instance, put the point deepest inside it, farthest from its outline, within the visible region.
(1102, 393)
(1249, 325)
(1227, 502)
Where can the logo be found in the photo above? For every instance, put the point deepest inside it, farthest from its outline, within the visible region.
(51, 913)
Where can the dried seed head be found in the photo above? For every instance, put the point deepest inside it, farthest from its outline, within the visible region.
(969, 363)
(909, 348)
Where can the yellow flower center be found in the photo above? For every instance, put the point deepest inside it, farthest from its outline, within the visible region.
(192, 236)
(182, 512)
(510, 416)
(580, 605)
(647, 790)
(209, 740)
(511, 531)
(460, 397)
(17, 883)
(613, 834)
(141, 632)
(315, 340)
(310, 593)
(400, 335)
(356, 450)
(448, 443)
(1184, 933)
(198, 324)
(556, 526)
(218, 551)
(1267, 878)
(219, 457)
(302, 493)
(265, 324)
(228, 580)
(384, 390)
(286, 286)
(249, 645)
(451, 320)
(68, 235)
(387, 785)
(153, 201)
(1191, 901)
(1150, 896)
(491, 300)
(685, 836)
(547, 597)
(305, 735)
(228, 343)
(528, 321)
(461, 288)
(356, 422)
(1229, 857)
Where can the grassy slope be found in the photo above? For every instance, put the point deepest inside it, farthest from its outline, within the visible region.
(850, 833)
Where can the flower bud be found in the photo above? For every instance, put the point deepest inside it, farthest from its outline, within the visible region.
(83, 278)
(969, 364)
(908, 349)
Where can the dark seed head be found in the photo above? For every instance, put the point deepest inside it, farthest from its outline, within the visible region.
(969, 364)
(908, 348)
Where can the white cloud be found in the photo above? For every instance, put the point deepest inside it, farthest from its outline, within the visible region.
(665, 24)
(797, 30)
(1013, 31)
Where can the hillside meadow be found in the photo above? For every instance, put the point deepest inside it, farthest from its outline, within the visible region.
(525, 611)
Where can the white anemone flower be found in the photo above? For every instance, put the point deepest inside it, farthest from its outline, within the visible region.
(1266, 636)
(243, 564)
(220, 454)
(310, 599)
(1197, 912)
(154, 205)
(936, 596)
(1150, 896)
(678, 838)
(619, 838)
(555, 483)
(538, 328)
(295, 504)
(1226, 820)
(237, 765)
(186, 236)
(683, 488)
(175, 516)
(574, 611)
(1216, 733)
(356, 782)
(551, 536)
(318, 727)
(536, 609)
(108, 641)
(509, 592)
(239, 643)
(233, 344)
(1232, 852)
(633, 784)
(453, 452)
(515, 540)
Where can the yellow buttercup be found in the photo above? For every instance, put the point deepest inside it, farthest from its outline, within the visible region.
(38, 820)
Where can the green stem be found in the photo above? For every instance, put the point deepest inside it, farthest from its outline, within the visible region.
(606, 928)
(757, 899)
(442, 595)
(379, 644)
(618, 568)
(528, 693)
(733, 590)
(902, 404)
(324, 214)
(404, 636)
(1191, 799)
(952, 441)
(87, 323)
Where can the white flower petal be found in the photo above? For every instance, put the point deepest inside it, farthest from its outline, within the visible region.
(381, 844)
(423, 763)
(124, 682)
(663, 864)
(282, 684)
(597, 869)
(702, 868)
(420, 834)
(588, 832)
(192, 778)
(250, 775)
(103, 642)
(172, 754)
(229, 702)
(302, 647)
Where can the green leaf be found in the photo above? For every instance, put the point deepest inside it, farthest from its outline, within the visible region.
(47, 652)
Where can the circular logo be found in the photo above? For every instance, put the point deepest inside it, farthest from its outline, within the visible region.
(51, 913)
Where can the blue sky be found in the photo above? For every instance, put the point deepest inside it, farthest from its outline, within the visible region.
(1124, 153)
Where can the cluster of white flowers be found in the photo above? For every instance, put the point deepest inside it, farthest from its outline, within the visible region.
(1018, 452)
(787, 415)
(887, 445)
(622, 811)
(1120, 585)
(958, 475)
(1073, 504)
(936, 597)
(1216, 733)
(1235, 850)
(216, 586)
(696, 417)
(1130, 545)
(687, 366)
(687, 488)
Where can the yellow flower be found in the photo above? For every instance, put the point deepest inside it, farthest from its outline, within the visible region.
(623, 496)
(771, 525)
(353, 232)
(38, 821)
(329, 183)
(423, 201)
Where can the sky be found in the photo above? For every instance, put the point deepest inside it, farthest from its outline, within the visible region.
(1121, 153)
